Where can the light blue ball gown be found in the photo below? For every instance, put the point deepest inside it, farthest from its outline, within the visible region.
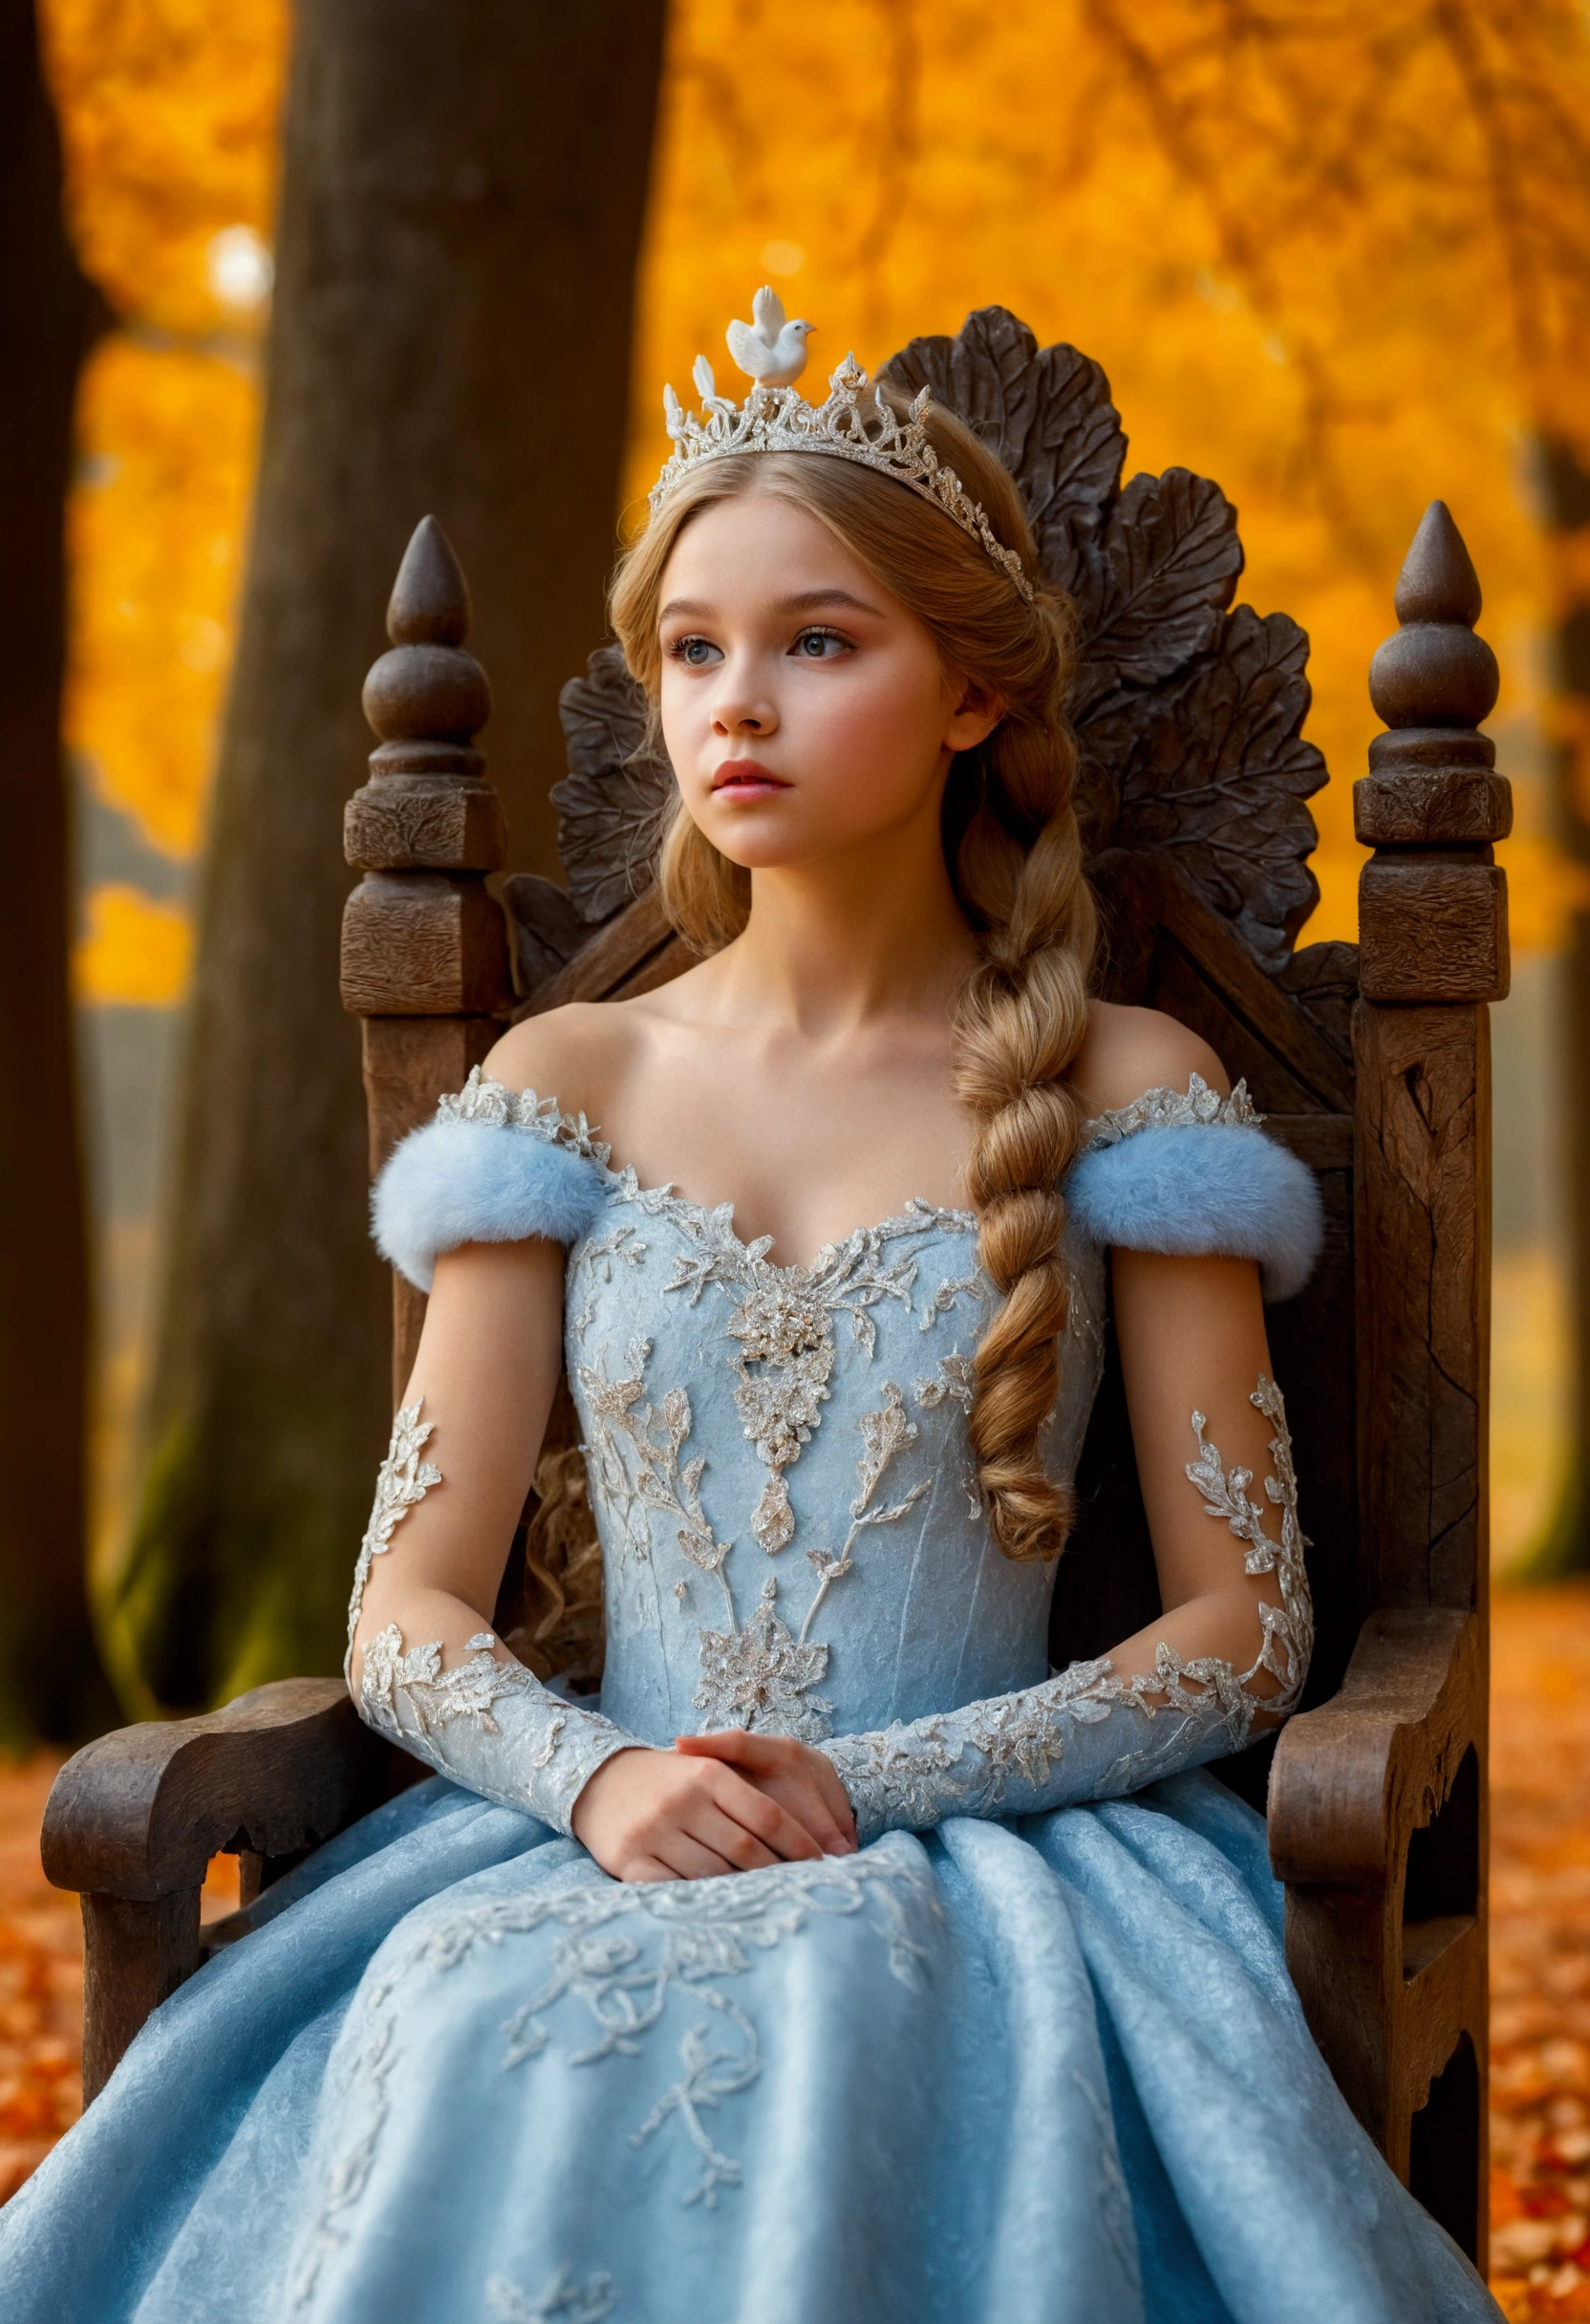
(1030, 2056)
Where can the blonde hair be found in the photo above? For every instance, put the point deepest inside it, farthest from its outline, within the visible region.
(1014, 858)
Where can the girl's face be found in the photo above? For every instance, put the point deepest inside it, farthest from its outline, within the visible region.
(806, 711)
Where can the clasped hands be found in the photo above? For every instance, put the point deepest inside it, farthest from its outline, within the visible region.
(723, 1802)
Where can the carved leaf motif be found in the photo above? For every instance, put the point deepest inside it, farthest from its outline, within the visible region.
(616, 788)
(1047, 414)
(1322, 979)
(546, 928)
(1150, 591)
(1212, 770)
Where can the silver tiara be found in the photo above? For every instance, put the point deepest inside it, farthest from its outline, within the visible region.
(775, 416)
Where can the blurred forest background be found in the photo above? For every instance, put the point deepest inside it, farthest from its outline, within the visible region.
(1335, 254)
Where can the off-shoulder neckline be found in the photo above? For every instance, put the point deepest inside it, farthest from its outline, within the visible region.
(483, 1099)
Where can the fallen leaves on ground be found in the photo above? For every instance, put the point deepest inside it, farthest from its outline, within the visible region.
(41, 1984)
(1541, 1952)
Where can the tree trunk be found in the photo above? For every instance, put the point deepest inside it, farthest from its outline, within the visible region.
(50, 1682)
(1566, 491)
(463, 198)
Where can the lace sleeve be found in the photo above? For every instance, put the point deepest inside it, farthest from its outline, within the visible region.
(1088, 1733)
(491, 1726)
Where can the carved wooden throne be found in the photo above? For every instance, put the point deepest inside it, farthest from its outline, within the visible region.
(1372, 1063)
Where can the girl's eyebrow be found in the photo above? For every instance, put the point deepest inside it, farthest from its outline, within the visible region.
(807, 601)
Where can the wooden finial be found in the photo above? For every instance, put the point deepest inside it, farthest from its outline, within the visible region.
(1432, 905)
(1435, 673)
(1438, 581)
(424, 945)
(427, 808)
(430, 598)
(427, 697)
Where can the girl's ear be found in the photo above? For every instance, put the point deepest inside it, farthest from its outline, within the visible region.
(974, 718)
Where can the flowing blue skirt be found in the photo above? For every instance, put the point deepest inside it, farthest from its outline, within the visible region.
(1044, 2071)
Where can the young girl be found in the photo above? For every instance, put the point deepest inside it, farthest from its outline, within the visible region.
(846, 1965)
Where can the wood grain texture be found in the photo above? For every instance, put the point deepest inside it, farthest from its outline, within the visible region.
(1432, 927)
(134, 1956)
(412, 1061)
(1386, 1945)
(140, 1813)
(1152, 910)
(1417, 805)
(400, 823)
(1424, 1235)
(421, 944)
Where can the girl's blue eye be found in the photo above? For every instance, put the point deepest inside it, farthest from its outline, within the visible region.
(696, 652)
(815, 644)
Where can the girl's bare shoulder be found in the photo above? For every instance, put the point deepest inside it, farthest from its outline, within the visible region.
(1126, 1051)
(579, 1054)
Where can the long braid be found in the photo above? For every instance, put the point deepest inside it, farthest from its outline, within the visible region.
(1018, 1026)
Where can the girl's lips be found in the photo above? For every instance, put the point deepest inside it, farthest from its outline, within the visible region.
(747, 777)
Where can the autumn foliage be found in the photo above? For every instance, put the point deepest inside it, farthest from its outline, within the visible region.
(1334, 255)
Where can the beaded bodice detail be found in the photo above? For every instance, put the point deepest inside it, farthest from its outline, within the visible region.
(778, 1461)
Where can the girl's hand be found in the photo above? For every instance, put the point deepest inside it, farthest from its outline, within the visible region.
(794, 1775)
(661, 1816)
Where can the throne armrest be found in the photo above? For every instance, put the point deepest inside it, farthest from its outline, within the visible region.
(1353, 1779)
(134, 1818)
(1376, 1825)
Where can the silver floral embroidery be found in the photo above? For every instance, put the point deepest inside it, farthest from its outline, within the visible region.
(965, 1761)
(349, 2175)
(955, 1382)
(656, 1435)
(759, 1677)
(784, 1365)
(773, 1520)
(437, 1697)
(953, 1287)
(596, 1263)
(402, 1482)
(1173, 1109)
(563, 2302)
(1289, 1627)
(484, 1100)
(684, 1938)
(490, 1726)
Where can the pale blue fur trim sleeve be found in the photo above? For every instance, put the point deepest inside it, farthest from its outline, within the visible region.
(464, 1181)
(1203, 1190)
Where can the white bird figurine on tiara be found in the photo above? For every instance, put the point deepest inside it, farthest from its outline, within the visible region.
(771, 352)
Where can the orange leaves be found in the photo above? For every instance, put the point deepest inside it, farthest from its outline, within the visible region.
(155, 528)
(134, 952)
(40, 1985)
(169, 116)
(1281, 230)
(1540, 1953)
(1333, 255)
